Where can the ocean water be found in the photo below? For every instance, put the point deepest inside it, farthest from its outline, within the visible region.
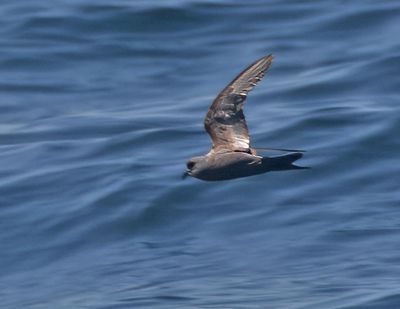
(102, 103)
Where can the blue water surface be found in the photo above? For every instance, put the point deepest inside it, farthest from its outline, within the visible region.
(102, 103)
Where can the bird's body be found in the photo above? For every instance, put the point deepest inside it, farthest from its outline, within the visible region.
(231, 155)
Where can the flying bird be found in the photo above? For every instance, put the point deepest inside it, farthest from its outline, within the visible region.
(231, 155)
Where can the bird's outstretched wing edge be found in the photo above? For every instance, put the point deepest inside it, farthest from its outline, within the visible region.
(225, 121)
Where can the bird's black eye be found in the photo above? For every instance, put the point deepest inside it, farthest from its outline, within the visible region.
(190, 165)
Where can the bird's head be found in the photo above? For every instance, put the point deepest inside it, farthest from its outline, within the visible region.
(194, 166)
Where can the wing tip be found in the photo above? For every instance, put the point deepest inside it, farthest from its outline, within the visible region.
(269, 57)
(265, 61)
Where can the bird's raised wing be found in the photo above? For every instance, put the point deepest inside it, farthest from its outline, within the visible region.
(225, 121)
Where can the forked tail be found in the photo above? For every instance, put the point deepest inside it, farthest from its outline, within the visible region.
(283, 162)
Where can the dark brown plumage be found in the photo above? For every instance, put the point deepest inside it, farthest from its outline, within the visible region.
(231, 155)
(225, 121)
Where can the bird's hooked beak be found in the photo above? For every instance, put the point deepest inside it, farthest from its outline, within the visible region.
(185, 174)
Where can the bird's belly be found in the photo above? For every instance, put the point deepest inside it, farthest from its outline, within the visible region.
(232, 165)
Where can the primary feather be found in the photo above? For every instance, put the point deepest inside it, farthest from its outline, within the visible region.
(225, 121)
